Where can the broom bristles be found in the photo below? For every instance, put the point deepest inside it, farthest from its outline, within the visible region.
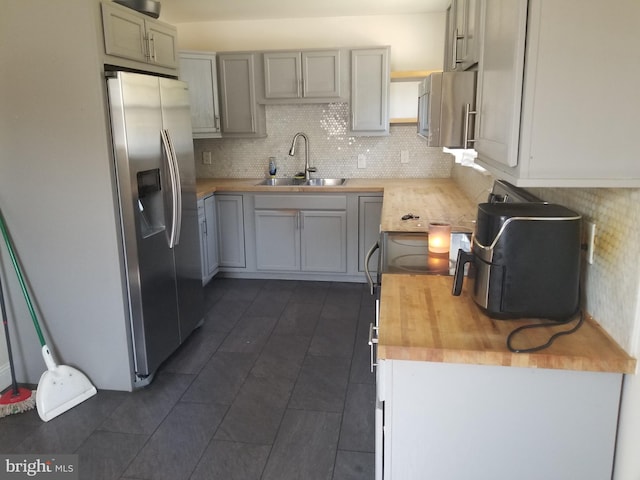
(9, 407)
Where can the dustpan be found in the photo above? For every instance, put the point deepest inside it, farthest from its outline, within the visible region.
(60, 387)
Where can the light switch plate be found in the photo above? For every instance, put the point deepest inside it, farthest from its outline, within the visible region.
(362, 161)
(404, 156)
(206, 158)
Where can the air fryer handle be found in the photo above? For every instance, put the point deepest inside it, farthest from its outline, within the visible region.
(463, 259)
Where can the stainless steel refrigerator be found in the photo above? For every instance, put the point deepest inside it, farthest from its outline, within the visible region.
(155, 181)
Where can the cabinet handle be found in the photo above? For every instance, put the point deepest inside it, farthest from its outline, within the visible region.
(467, 113)
(372, 340)
(301, 220)
(217, 122)
(147, 47)
(152, 48)
(455, 61)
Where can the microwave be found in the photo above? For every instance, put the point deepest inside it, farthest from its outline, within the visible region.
(446, 105)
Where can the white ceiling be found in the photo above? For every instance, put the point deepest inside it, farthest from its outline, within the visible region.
(181, 11)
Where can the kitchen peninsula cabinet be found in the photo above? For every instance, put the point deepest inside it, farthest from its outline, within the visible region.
(370, 84)
(301, 232)
(310, 74)
(453, 402)
(369, 214)
(198, 69)
(134, 36)
(556, 105)
(241, 114)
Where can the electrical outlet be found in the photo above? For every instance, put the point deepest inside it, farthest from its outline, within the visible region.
(590, 240)
(206, 158)
(404, 156)
(362, 161)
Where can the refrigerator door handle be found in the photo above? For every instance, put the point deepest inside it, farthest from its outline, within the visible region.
(168, 150)
(178, 189)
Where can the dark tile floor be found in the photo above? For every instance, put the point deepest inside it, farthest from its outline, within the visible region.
(275, 386)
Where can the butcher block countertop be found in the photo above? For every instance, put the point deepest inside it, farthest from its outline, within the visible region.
(429, 199)
(421, 320)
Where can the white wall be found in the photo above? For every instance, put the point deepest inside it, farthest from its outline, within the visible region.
(417, 41)
(56, 190)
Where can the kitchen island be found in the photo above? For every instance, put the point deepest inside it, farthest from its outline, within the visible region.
(455, 403)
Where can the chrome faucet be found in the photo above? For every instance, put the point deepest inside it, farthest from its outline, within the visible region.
(292, 152)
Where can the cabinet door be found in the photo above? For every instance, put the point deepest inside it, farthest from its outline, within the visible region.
(461, 44)
(202, 225)
(282, 75)
(124, 33)
(370, 78)
(321, 74)
(199, 71)
(369, 213)
(500, 80)
(230, 230)
(237, 91)
(323, 241)
(471, 39)
(162, 44)
(277, 239)
(211, 236)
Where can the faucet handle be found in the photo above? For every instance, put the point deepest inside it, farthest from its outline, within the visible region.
(312, 169)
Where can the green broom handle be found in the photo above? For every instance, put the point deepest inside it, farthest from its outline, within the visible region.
(23, 285)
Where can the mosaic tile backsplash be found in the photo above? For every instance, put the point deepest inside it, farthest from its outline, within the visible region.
(331, 150)
(612, 283)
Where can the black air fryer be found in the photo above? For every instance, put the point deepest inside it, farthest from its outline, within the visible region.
(527, 260)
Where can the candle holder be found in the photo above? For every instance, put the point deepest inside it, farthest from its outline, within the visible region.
(439, 237)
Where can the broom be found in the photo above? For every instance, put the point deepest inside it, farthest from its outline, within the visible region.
(15, 399)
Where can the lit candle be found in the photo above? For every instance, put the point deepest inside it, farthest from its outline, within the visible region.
(439, 237)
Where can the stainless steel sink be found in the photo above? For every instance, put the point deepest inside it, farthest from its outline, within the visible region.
(276, 182)
(324, 182)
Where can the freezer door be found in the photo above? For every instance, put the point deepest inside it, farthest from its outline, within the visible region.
(176, 119)
(144, 189)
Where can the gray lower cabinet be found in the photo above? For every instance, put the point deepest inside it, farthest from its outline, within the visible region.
(369, 212)
(305, 233)
(231, 238)
(305, 240)
(208, 237)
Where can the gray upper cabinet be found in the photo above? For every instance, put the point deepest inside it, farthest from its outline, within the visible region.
(550, 113)
(462, 35)
(199, 71)
(313, 74)
(370, 80)
(134, 36)
(241, 114)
